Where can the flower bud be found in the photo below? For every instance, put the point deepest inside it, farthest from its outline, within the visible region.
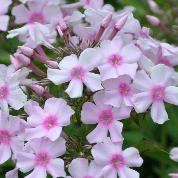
(26, 50)
(106, 21)
(19, 61)
(153, 20)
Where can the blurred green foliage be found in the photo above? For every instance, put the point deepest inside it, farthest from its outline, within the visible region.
(153, 141)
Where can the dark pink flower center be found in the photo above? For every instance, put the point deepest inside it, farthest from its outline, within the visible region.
(124, 89)
(115, 60)
(87, 177)
(50, 122)
(5, 137)
(42, 159)
(37, 17)
(165, 60)
(77, 73)
(158, 93)
(106, 117)
(117, 161)
(87, 2)
(3, 92)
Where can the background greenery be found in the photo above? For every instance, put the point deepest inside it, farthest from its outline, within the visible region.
(153, 141)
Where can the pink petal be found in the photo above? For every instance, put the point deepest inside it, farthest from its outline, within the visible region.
(69, 62)
(107, 72)
(109, 172)
(93, 82)
(132, 157)
(174, 154)
(13, 173)
(54, 133)
(98, 134)
(75, 89)
(128, 173)
(58, 76)
(98, 98)
(116, 131)
(171, 95)
(21, 14)
(56, 168)
(25, 162)
(128, 69)
(5, 153)
(141, 101)
(37, 173)
(90, 58)
(133, 55)
(161, 74)
(4, 19)
(78, 167)
(142, 81)
(89, 113)
(158, 113)
(113, 98)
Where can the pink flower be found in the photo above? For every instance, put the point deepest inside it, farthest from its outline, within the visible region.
(119, 59)
(115, 162)
(77, 71)
(81, 168)
(12, 173)
(9, 141)
(118, 92)
(106, 117)
(10, 92)
(154, 90)
(47, 122)
(42, 158)
(4, 19)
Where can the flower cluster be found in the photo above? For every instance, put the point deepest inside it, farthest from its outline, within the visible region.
(105, 59)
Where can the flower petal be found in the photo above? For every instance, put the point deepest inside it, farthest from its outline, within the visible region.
(171, 95)
(128, 173)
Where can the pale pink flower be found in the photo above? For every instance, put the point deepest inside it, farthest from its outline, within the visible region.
(12, 173)
(118, 91)
(9, 141)
(154, 90)
(43, 158)
(106, 117)
(77, 71)
(174, 154)
(81, 168)
(4, 19)
(115, 162)
(47, 122)
(10, 91)
(118, 59)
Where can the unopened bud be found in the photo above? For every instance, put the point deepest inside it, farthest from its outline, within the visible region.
(52, 64)
(121, 22)
(154, 7)
(153, 20)
(38, 89)
(26, 50)
(19, 61)
(106, 21)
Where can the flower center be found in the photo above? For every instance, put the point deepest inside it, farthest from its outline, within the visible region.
(158, 93)
(115, 60)
(117, 161)
(165, 60)
(106, 117)
(77, 73)
(37, 17)
(5, 137)
(3, 92)
(42, 159)
(124, 89)
(50, 122)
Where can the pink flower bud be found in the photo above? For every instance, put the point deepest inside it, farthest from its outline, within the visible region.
(26, 50)
(153, 20)
(154, 7)
(52, 64)
(106, 21)
(121, 22)
(19, 61)
(38, 89)
(174, 175)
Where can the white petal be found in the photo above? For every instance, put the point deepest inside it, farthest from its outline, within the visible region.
(93, 82)
(5, 153)
(75, 88)
(37, 173)
(58, 76)
(158, 113)
(171, 95)
(128, 173)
